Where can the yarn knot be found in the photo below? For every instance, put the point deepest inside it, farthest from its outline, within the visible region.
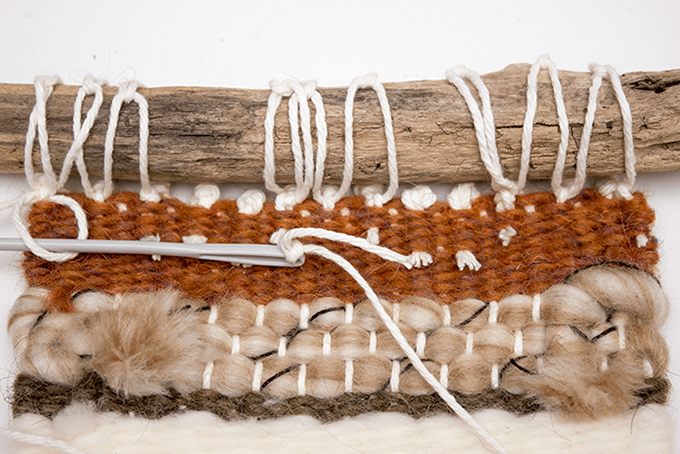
(287, 199)
(98, 192)
(205, 195)
(44, 187)
(505, 200)
(326, 197)
(418, 198)
(372, 193)
(251, 201)
(292, 249)
(154, 193)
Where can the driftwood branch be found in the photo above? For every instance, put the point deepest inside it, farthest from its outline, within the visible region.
(217, 134)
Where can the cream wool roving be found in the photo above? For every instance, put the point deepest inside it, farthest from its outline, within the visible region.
(509, 322)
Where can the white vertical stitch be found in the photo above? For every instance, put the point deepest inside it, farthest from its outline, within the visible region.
(302, 377)
(349, 375)
(519, 342)
(257, 376)
(235, 344)
(493, 312)
(304, 316)
(395, 312)
(259, 320)
(372, 342)
(207, 374)
(447, 315)
(394, 378)
(282, 346)
(349, 313)
(420, 344)
(536, 308)
(326, 349)
(372, 235)
(444, 376)
(494, 376)
(212, 318)
(621, 330)
(469, 343)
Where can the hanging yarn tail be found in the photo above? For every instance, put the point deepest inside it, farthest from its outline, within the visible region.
(294, 250)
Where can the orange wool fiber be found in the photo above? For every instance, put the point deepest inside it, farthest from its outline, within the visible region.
(552, 241)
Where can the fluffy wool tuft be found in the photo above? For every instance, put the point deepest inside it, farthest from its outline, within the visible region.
(148, 343)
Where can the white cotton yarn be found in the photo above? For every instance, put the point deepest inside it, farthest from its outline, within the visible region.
(419, 198)
(205, 195)
(251, 201)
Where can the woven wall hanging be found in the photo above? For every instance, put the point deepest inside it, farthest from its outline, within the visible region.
(423, 318)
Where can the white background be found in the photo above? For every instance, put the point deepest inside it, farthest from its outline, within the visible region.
(245, 44)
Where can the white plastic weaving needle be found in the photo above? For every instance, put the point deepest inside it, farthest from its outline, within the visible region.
(244, 254)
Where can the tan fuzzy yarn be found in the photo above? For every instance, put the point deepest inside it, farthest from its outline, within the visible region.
(148, 344)
(562, 349)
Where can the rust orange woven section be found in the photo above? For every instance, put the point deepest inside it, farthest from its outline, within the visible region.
(551, 241)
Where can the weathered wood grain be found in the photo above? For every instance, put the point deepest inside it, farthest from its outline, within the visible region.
(217, 134)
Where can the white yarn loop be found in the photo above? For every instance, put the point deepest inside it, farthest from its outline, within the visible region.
(544, 62)
(563, 193)
(367, 81)
(619, 185)
(44, 85)
(251, 201)
(20, 213)
(294, 249)
(303, 164)
(485, 131)
(90, 86)
(127, 92)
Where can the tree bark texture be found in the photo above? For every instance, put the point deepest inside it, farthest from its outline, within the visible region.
(217, 134)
